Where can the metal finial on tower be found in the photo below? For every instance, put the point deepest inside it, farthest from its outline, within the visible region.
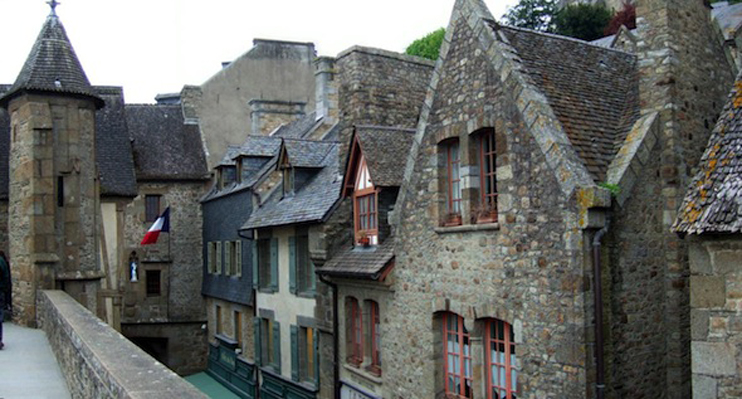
(53, 4)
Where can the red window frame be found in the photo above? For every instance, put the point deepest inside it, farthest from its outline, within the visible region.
(367, 213)
(457, 361)
(356, 330)
(453, 161)
(487, 173)
(500, 360)
(375, 334)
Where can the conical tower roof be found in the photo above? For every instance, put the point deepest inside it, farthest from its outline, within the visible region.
(52, 67)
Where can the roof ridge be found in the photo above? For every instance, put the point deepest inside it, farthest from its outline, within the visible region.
(561, 37)
(392, 128)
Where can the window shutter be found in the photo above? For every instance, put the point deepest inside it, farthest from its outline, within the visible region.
(256, 339)
(292, 265)
(255, 280)
(315, 337)
(219, 257)
(238, 257)
(274, 264)
(277, 345)
(227, 257)
(209, 263)
(294, 353)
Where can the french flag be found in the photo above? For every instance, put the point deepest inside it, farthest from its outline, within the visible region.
(161, 224)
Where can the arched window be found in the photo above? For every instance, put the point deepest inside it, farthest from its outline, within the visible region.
(457, 360)
(502, 363)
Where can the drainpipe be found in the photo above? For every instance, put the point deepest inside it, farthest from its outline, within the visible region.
(335, 336)
(597, 266)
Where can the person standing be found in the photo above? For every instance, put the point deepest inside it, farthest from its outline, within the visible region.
(5, 290)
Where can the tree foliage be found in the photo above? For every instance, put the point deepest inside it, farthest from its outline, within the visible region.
(427, 46)
(627, 17)
(582, 21)
(532, 14)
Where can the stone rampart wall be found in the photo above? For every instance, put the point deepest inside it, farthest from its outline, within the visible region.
(97, 361)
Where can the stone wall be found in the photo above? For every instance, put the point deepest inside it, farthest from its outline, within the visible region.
(182, 344)
(53, 197)
(178, 254)
(527, 269)
(379, 87)
(272, 70)
(685, 77)
(98, 362)
(716, 318)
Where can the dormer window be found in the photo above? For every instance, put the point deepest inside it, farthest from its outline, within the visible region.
(288, 181)
(365, 207)
(227, 176)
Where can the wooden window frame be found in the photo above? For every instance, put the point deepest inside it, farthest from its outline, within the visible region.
(267, 343)
(508, 344)
(374, 324)
(150, 208)
(218, 319)
(307, 368)
(304, 266)
(453, 163)
(487, 156)
(355, 357)
(237, 321)
(370, 196)
(462, 343)
(264, 263)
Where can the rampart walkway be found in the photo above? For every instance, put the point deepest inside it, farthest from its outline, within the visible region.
(28, 368)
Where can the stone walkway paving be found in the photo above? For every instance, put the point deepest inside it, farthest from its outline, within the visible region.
(28, 368)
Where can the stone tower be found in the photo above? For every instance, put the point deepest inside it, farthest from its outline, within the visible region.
(684, 76)
(53, 199)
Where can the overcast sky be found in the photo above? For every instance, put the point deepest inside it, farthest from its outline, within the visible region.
(157, 46)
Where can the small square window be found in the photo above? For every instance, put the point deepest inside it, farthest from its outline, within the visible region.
(153, 283)
(152, 207)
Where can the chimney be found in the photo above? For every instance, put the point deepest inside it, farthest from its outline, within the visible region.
(326, 90)
(268, 115)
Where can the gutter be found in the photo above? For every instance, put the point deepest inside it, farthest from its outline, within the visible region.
(598, 301)
(335, 337)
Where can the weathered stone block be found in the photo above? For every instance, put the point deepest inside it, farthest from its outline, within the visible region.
(707, 292)
(713, 358)
(699, 324)
(727, 262)
(704, 387)
(700, 261)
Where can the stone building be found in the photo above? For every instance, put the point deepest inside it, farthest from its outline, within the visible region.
(361, 272)
(505, 221)
(275, 76)
(711, 219)
(98, 172)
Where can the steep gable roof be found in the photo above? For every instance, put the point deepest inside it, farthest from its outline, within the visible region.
(306, 153)
(593, 91)
(260, 146)
(713, 203)
(113, 145)
(52, 67)
(385, 150)
(165, 147)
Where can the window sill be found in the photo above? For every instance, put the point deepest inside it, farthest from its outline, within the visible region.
(363, 373)
(306, 294)
(468, 228)
(266, 290)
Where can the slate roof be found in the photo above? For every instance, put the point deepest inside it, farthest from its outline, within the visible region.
(713, 203)
(233, 151)
(52, 67)
(165, 148)
(593, 91)
(310, 203)
(113, 145)
(728, 17)
(308, 153)
(360, 262)
(260, 146)
(386, 150)
(299, 128)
